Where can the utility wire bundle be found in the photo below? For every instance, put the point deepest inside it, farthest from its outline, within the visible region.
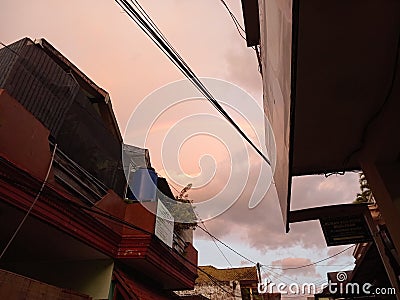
(141, 18)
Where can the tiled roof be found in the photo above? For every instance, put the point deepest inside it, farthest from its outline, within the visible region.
(239, 274)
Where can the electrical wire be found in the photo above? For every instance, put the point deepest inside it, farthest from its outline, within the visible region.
(313, 263)
(216, 245)
(235, 20)
(258, 55)
(213, 239)
(211, 236)
(239, 28)
(242, 31)
(32, 205)
(274, 267)
(140, 17)
(220, 250)
(265, 275)
(278, 276)
(275, 275)
(227, 246)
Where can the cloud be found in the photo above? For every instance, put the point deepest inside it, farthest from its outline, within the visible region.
(242, 69)
(310, 191)
(294, 262)
(244, 263)
(262, 227)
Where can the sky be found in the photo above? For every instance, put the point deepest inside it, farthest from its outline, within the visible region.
(99, 38)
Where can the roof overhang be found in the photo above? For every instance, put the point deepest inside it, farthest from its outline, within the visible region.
(346, 87)
(331, 85)
(347, 76)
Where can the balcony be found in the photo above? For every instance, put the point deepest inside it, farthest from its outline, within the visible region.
(169, 259)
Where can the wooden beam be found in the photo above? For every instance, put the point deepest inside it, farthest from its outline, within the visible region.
(316, 213)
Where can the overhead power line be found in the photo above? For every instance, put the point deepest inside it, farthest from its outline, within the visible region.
(278, 276)
(242, 32)
(138, 14)
(269, 266)
(239, 27)
(226, 245)
(216, 245)
(215, 242)
(33, 203)
(313, 263)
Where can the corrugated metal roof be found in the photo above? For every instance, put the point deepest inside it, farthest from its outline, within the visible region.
(86, 84)
(77, 112)
(37, 82)
(8, 57)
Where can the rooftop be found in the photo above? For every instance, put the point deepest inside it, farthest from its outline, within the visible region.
(230, 274)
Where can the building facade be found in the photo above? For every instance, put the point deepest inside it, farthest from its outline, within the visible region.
(65, 221)
(331, 86)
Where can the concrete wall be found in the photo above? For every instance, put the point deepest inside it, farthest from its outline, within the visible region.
(90, 277)
(13, 286)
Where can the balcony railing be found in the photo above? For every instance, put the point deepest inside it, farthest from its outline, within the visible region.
(178, 243)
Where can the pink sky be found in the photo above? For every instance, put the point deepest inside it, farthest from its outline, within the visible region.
(107, 46)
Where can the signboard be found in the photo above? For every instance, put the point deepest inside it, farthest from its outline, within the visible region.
(345, 230)
(164, 228)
